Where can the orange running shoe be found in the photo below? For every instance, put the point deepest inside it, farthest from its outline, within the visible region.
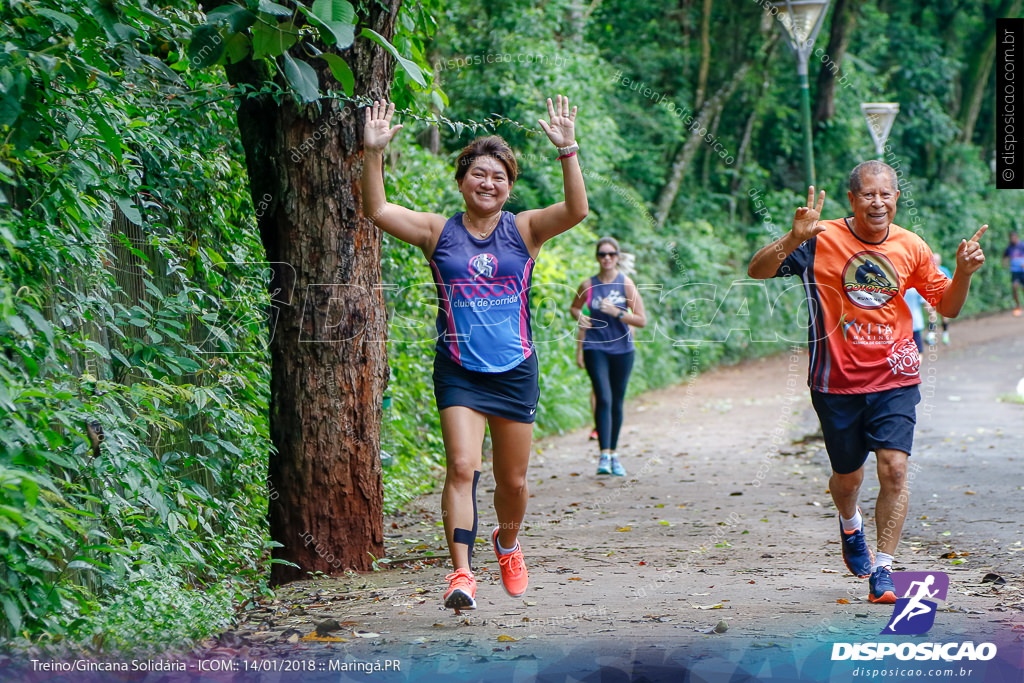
(461, 590)
(514, 576)
(1017, 311)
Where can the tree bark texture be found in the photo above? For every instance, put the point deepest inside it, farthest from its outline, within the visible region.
(327, 317)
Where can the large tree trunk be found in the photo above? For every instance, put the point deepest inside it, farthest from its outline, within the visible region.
(328, 358)
(843, 20)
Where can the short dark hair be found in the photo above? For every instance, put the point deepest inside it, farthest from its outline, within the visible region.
(490, 146)
(871, 168)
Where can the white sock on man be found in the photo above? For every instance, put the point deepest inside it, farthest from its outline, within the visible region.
(882, 560)
(852, 524)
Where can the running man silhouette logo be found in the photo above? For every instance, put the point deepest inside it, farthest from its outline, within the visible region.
(483, 265)
(914, 613)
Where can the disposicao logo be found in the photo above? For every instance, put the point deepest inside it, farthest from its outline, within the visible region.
(914, 614)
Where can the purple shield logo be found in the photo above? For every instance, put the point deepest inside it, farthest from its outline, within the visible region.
(914, 613)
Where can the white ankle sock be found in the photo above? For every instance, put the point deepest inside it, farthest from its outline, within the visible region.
(506, 551)
(882, 560)
(852, 524)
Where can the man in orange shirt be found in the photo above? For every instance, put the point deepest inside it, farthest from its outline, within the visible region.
(864, 366)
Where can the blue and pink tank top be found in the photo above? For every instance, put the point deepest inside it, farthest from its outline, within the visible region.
(608, 333)
(483, 288)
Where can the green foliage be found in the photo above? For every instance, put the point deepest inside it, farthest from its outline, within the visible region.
(155, 609)
(118, 311)
(268, 31)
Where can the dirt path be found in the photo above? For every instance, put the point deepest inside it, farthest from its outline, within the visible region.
(723, 521)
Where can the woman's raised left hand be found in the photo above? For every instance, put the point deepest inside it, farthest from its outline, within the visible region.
(561, 128)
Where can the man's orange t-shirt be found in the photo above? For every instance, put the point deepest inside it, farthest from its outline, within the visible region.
(860, 333)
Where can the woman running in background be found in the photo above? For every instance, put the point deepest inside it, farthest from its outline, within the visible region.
(615, 306)
(485, 368)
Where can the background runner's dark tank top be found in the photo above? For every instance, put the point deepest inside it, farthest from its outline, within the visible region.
(608, 333)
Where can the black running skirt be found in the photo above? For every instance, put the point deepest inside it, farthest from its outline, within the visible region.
(512, 394)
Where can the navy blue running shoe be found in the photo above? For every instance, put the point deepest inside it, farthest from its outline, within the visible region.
(880, 586)
(856, 553)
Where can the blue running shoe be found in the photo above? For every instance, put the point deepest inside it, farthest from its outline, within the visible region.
(856, 553)
(617, 469)
(604, 465)
(880, 586)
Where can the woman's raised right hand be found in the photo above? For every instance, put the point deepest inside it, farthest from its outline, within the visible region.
(377, 132)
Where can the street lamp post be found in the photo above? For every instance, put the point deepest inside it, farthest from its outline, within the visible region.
(802, 20)
(880, 117)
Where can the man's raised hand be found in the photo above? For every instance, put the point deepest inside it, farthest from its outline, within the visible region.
(805, 222)
(969, 255)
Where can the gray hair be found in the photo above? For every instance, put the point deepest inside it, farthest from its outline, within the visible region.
(871, 168)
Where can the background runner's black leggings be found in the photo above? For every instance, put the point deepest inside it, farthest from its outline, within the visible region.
(609, 375)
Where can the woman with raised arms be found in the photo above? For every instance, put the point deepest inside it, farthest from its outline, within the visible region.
(485, 367)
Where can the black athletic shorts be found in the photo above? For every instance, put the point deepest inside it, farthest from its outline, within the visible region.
(854, 424)
(1017, 277)
(512, 394)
